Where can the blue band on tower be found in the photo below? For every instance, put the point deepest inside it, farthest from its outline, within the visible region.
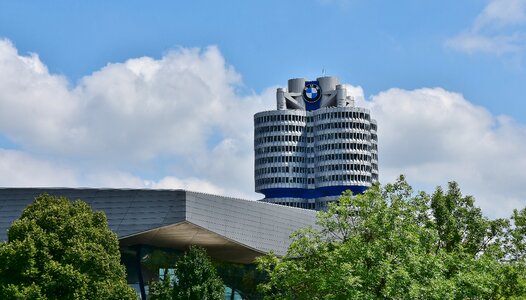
(312, 193)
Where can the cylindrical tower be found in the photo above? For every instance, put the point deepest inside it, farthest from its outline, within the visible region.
(341, 95)
(374, 152)
(280, 99)
(315, 146)
(280, 142)
(342, 152)
(296, 85)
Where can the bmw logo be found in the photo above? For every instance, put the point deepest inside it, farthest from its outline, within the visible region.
(311, 92)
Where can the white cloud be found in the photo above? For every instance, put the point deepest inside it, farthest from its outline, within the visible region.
(137, 109)
(19, 169)
(119, 179)
(434, 136)
(500, 13)
(35, 106)
(191, 184)
(181, 109)
(498, 44)
(498, 29)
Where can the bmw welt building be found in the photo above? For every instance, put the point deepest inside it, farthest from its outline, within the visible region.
(155, 226)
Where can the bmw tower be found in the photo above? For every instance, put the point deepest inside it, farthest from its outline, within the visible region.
(314, 146)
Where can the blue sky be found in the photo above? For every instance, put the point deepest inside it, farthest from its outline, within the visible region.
(374, 44)
(473, 49)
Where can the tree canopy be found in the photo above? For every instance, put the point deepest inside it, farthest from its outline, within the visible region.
(195, 278)
(389, 243)
(60, 249)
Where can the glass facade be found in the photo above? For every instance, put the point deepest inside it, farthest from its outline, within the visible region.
(145, 264)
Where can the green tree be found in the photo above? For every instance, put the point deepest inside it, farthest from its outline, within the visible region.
(195, 279)
(391, 244)
(60, 249)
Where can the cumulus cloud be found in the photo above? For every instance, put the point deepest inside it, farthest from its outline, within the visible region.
(119, 179)
(434, 136)
(180, 122)
(501, 13)
(181, 112)
(169, 105)
(192, 184)
(35, 106)
(19, 169)
(499, 29)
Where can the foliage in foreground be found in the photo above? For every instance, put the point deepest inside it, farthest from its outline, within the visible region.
(196, 279)
(60, 249)
(391, 244)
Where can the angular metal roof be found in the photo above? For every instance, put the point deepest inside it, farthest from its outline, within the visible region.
(230, 229)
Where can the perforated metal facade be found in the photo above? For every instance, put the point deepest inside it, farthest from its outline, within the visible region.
(237, 230)
(316, 145)
(161, 221)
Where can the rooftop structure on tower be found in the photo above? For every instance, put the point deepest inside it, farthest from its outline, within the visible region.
(314, 146)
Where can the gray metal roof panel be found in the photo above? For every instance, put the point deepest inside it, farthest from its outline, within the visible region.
(258, 225)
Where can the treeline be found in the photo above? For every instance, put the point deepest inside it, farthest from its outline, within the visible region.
(390, 243)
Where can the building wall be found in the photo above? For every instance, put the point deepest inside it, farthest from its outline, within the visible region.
(164, 223)
(262, 227)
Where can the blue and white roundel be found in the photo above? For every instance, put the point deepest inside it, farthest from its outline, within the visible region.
(311, 92)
